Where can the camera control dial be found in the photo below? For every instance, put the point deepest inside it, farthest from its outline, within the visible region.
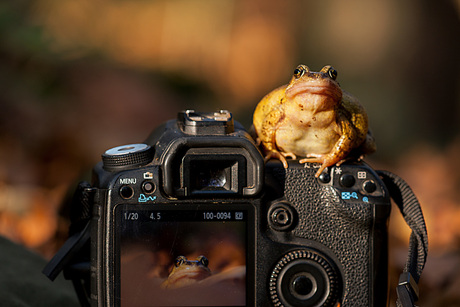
(132, 155)
(305, 278)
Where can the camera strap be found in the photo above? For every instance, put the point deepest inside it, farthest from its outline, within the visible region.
(405, 199)
(72, 256)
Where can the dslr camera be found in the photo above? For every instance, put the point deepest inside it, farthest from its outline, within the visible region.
(193, 217)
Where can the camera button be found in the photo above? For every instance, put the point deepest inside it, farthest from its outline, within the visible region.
(369, 186)
(303, 286)
(126, 192)
(281, 216)
(148, 187)
(324, 177)
(347, 180)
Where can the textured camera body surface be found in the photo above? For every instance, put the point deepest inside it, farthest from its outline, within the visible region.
(343, 215)
(325, 239)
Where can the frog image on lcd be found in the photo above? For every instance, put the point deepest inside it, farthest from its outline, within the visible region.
(312, 117)
(186, 272)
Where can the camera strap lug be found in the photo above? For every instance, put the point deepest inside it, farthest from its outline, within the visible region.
(407, 290)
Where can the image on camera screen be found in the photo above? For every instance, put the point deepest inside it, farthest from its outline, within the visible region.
(181, 257)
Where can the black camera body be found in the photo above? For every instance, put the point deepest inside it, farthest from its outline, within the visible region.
(199, 187)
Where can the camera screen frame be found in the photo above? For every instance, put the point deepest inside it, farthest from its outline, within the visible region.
(138, 226)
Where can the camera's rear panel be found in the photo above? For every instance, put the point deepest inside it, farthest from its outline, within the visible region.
(193, 217)
(307, 242)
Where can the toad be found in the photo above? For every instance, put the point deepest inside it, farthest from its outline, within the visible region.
(312, 117)
(186, 272)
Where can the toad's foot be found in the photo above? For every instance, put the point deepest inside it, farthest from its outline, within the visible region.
(325, 160)
(289, 155)
(280, 156)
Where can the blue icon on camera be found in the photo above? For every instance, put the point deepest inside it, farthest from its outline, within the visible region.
(143, 199)
(349, 195)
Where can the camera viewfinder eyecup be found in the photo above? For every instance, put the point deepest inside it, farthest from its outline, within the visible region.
(206, 154)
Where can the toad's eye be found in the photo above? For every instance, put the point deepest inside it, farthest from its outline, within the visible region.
(298, 72)
(203, 260)
(180, 260)
(332, 73)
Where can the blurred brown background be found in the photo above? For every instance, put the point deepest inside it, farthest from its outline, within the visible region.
(79, 77)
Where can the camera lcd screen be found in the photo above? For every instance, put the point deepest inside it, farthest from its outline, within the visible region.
(195, 256)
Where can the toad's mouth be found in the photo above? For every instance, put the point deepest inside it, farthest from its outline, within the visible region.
(326, 88)
(188, 275)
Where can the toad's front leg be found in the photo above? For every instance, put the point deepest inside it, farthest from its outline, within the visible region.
(338, 153)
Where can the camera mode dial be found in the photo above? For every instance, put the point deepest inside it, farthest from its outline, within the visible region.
(304, 278)
(132, 155)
